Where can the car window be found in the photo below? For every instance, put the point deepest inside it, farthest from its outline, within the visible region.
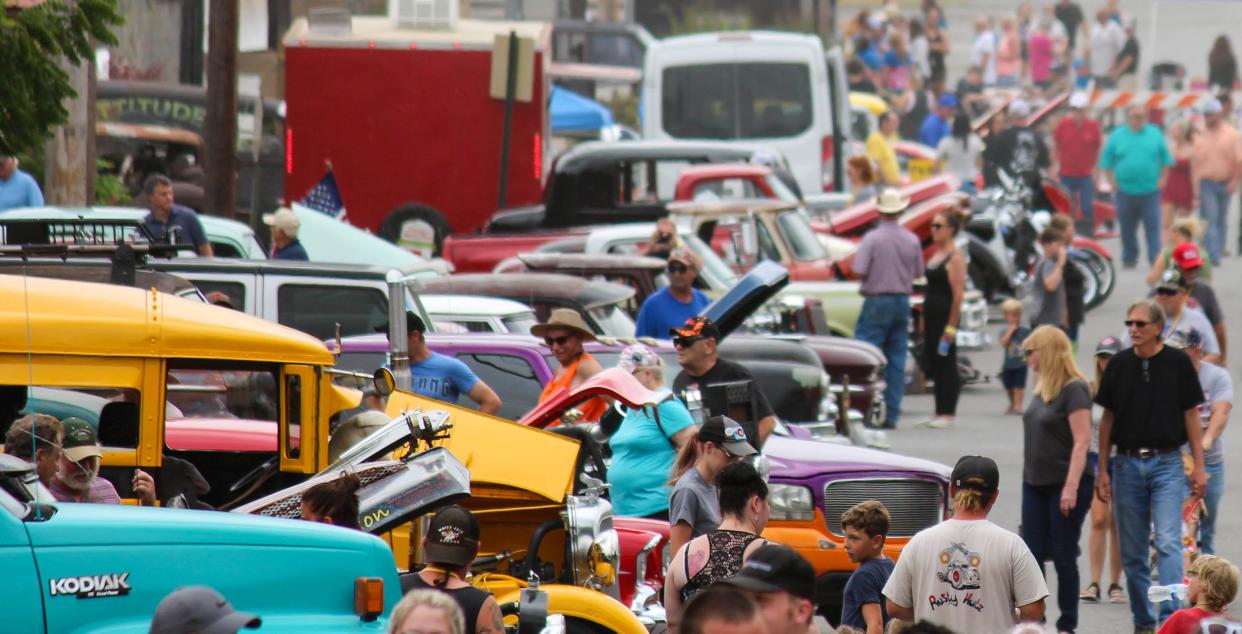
(235, 291)
(113, 412)
(649, 182)
(727, 189)
(519, 322)
(316, 309)
(613, 321)
(511, 377)
(737, 101)
(614, 49)
(225, 250)
(767, 246)
(367, 362)
(569, 47)
(800, 237)
(224, 390)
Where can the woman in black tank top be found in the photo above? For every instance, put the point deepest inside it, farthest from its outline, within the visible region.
(451, 544)
(942, 306)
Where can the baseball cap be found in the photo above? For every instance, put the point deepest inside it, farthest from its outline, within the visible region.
(1173, 280)
(697, 327)
(1187, 256)
(201, 610)
(1107, 347)
(637, 356)
(1212, 106)
(947, 101)
(728, 433)
(1078, 100)
(776, 568)
(453, 537)
(1183, 338)
(685, 256)
(976, 472)
(413, 323)
(80, 441)
(283, 219)
(1018, 108)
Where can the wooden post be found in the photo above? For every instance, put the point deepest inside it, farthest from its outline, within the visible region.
(69, 175)
(220, 139)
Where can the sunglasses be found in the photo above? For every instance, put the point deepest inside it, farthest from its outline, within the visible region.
(1137, 323)
(677, 267)
(686, 342)
(557, 341)
(937, 225)
(1168, 292)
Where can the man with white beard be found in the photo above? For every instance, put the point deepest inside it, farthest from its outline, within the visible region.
(77, 474)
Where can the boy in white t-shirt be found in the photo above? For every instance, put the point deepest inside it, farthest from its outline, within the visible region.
(967, 573)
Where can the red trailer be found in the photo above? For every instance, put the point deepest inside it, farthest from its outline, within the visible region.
(407, 119)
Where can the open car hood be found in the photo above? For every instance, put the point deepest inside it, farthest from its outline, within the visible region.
(613, 383)
(753, 290)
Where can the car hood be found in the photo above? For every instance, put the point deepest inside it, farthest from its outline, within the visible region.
(843, 348)
(797, 459)
(613, 383)
(744, 298)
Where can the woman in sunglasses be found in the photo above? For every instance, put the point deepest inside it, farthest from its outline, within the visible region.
(942, 307)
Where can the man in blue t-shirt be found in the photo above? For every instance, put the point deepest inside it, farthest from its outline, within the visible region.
(441, 377)
(167, 216)
(672, 305)
(939, 124)
(17, 188)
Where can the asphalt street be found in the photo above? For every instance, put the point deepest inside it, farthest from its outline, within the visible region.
(984, 429)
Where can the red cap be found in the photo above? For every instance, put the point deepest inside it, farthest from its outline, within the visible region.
(1186, 256)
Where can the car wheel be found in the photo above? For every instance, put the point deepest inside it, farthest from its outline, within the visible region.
(416, 228)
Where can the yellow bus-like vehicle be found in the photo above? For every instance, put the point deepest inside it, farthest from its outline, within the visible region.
(183, 389)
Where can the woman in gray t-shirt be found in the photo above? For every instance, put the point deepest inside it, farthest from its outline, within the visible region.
(1056, 486)
(693, 507)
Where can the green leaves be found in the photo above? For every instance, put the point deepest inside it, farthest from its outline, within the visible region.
(33, 86)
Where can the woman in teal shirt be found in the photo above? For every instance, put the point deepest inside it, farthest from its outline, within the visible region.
(643, 449)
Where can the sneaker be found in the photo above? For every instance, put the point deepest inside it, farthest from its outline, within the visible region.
(926, 423)
(1116, 594)
(943, 423)
(1091, 594)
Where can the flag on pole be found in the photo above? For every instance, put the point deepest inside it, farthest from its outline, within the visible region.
(325, 197)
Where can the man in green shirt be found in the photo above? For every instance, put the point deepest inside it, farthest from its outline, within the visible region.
(1136, 160)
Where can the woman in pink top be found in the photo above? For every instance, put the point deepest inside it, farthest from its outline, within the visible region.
(1040, 52)
(1008, 54)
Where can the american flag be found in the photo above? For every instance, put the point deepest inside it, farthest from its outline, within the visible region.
(326, 197)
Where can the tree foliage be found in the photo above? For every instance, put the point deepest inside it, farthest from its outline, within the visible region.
(33, 42)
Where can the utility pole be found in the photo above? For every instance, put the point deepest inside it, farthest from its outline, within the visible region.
(220, 128)
(69, 174)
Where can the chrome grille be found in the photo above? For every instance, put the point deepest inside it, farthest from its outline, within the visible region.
(913, 504)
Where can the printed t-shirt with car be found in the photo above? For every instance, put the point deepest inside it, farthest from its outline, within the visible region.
(967, 575)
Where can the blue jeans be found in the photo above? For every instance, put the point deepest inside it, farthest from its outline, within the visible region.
(1049, 534)
(1132, 210)
(885, 323)
(1147, 490)
(1082, 188)
(1211, 497)
(1214, 206)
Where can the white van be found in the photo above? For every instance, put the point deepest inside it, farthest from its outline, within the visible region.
(752, 86)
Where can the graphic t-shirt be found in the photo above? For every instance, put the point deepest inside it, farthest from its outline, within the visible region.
(864, 586)
(1185, 621)
(442, 378)
(967, 575)
(726, 371)
(1014, 358)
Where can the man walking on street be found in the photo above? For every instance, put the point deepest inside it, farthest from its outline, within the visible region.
(17, 188)
(1136, 161)
(1151, 395)
(1107, 40)
(672, 305)
(1216, 162)
(967, 573)
(1076, 145)
(889, 258)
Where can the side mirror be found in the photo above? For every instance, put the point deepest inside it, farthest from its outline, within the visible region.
(385, 382)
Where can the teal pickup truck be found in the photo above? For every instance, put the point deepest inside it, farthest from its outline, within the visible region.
(103, 568)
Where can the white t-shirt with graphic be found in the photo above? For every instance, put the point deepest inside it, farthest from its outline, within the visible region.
(967, 575)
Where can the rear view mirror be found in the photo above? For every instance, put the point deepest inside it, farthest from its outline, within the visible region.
(385, 382)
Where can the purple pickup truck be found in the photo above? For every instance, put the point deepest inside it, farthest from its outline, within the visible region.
(812, 482)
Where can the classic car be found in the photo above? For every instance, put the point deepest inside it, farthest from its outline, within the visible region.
(605, 306)
(460, 313)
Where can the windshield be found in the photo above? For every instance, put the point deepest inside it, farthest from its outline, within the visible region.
(519, 322)
(801, 238)
(737, 101)
(613, 321)
(782, 191)
(718, 274)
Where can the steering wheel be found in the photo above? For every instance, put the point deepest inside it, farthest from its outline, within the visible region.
(255, 474)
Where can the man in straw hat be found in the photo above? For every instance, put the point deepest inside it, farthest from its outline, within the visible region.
(564, 333)
(888, 258)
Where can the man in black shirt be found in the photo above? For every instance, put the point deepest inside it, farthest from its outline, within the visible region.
(1070, 15)
(1018, 149)
(1125, 67)
(1151, 395)
(702, 366)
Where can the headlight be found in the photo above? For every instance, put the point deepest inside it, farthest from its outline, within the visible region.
(791, 502)
(594, 545)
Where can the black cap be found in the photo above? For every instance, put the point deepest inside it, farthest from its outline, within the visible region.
(697, 327)
(199, 610)
(413, 323)
(976, 472)
(453, 537)
(1108, 347)
(728, 433)
(776, 568)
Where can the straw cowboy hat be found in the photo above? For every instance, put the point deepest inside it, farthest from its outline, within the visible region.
(891, 202)
(564, 318)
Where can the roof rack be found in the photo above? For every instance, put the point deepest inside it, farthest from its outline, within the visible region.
(64, 237)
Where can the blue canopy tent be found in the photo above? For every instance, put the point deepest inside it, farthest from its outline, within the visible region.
(572, 113)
